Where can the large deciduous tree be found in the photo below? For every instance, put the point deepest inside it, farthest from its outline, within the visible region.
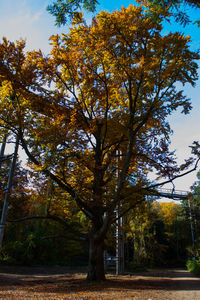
(92, 114)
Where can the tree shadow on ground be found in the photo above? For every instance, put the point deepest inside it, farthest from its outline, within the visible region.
(42, 270)
(166, 273)
(75, 283)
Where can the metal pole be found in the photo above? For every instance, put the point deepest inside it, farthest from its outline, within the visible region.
(117, 254)
(8, 189)
(121, 245)
(117, 243)
(119, 235)
(3, 146)
(191, 222)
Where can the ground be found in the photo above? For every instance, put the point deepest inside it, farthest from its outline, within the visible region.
(63, 283)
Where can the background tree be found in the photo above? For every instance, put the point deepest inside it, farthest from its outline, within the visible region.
(176, 8)
(38, 240)
(141, 242)
(174, 233)
(175, 3)
(191, 210)
(94, 112)
(63, 10)
(157, 235)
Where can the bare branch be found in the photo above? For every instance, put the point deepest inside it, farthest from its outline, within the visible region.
(175, 177)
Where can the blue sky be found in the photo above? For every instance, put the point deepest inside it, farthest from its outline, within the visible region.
(28, 19)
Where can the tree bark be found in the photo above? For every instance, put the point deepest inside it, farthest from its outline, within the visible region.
(96, 270)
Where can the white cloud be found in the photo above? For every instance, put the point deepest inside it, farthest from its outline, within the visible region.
(26, 18)
(23, 20)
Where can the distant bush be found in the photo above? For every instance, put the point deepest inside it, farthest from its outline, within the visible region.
(33, 243)
(193, 265)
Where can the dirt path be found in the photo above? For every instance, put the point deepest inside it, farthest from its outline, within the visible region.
(62, 283)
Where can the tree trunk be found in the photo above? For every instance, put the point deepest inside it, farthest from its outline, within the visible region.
(96, 260)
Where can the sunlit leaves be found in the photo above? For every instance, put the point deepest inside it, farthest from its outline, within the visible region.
(168, 212)
(94, 110)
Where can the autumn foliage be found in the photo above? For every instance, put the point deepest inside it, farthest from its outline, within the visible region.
(93, 112)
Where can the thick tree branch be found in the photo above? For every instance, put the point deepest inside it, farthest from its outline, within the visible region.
(67, 187)
(81, 239)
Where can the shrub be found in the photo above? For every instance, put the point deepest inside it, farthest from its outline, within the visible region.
(193, 265)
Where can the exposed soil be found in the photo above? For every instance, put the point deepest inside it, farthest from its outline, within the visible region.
(64, 283)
